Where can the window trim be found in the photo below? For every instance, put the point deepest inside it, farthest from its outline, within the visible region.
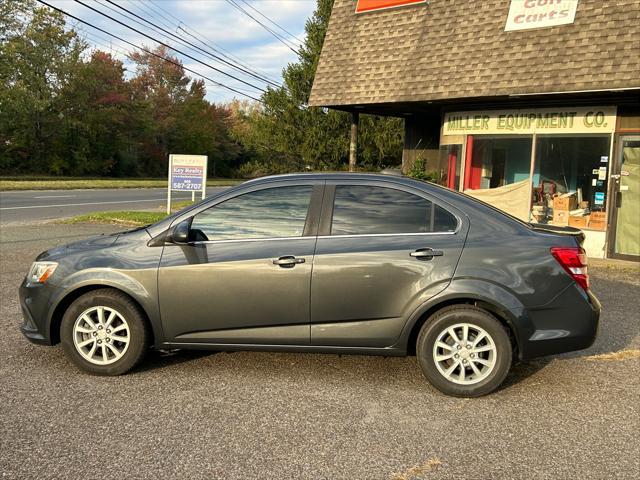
(328, 205)
(310, 229)
(242, 240)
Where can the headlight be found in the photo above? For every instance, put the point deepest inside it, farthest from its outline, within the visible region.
(41, 271)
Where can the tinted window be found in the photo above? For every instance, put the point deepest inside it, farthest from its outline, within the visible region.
(274, 212)
(377, 210)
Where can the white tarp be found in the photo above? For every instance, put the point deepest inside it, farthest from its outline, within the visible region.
(513, 199)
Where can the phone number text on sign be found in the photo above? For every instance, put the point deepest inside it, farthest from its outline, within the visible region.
(187, 178)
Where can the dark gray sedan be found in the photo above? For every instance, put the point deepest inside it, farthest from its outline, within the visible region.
(327, 263)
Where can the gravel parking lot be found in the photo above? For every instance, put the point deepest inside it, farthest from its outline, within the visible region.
(275, 415)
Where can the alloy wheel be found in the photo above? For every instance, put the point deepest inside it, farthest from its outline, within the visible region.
(465, 354)
(101, 335)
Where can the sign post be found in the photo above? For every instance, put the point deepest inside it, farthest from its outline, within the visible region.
(187, 173)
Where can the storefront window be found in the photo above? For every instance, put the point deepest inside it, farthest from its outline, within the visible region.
(449, 162)
(496, 162)
(570, 181)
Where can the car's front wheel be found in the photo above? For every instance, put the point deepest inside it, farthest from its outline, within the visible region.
(464, 351)
(104, 332)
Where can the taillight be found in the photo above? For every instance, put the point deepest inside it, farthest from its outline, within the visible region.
(574, 261)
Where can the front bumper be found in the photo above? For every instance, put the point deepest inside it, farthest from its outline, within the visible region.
(34, 302)
(570, 322)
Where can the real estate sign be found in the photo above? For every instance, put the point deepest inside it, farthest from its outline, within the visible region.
(187, 173)
(527, 14)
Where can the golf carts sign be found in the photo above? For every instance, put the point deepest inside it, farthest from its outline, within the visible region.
(187, 173)
(371, 5)
(528, 14)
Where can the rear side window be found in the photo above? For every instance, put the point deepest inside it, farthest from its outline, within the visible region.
(362, 210)
(274, 212)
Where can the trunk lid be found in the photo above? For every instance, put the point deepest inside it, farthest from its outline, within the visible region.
(559, 230)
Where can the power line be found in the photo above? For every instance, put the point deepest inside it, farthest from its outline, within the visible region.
(110, 45)
(282, 40)
(248, 67)
(149, 51)
(166, 22)
(269, 20)
(168, 46)
(121, 51)
(157, 9)
(180, 40)
(150, 10)
(199, 49)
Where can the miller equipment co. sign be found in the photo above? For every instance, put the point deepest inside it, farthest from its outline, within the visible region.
(371, 5)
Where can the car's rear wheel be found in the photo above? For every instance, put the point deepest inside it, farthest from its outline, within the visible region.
(104, 332)
(464, 351)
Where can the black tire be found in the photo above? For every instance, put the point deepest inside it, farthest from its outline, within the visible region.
(469, 314)
(139, 334)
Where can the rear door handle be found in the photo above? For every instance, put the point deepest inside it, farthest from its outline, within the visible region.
(288, 261)
(426, 253)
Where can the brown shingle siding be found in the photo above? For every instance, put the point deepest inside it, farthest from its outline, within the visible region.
(455, 49)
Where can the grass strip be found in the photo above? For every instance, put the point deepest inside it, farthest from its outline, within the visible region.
(133, 219)
(128, 218)
(10, 183)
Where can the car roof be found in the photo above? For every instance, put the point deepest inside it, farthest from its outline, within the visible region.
(390, 178)
(338, 176)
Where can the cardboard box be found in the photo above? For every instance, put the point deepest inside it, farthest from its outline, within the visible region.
(566, 201)
(579, 222)
(561, 217)
(598, 221)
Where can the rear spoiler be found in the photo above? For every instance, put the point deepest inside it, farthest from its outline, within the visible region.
(558, 230)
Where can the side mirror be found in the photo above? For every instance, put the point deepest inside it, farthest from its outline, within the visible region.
(180, 233)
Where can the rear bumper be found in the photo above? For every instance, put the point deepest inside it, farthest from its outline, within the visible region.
(570, 322)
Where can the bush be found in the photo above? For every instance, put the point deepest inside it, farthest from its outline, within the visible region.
(419, 171)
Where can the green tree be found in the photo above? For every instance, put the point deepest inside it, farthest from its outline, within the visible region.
(101, 130)
(317, 136)
(176, 117)
(39, 58)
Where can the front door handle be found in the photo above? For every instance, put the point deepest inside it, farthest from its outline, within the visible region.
(288, 261)
(426, 253)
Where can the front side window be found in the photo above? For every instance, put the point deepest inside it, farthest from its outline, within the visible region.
(271, 213)
(362, 210)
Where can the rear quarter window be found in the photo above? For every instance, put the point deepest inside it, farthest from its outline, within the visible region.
(366, 210)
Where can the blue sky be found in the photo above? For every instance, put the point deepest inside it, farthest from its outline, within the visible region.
(216, 22)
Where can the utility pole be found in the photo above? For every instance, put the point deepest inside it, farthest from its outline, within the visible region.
(353, 147)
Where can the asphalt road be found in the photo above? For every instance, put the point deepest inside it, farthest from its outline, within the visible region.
(30, 206)
(252, 415)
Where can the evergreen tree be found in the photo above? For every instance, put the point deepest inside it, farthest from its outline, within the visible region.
(318, 137)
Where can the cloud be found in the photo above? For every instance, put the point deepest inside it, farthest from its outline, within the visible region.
(215, 22)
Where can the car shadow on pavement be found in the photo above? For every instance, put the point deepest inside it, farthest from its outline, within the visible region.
(523, 370)
(156, 360)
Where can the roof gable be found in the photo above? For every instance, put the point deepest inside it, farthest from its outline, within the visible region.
(459, 49)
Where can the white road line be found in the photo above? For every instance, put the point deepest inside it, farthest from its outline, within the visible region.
(57, 196)
(81, 204)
